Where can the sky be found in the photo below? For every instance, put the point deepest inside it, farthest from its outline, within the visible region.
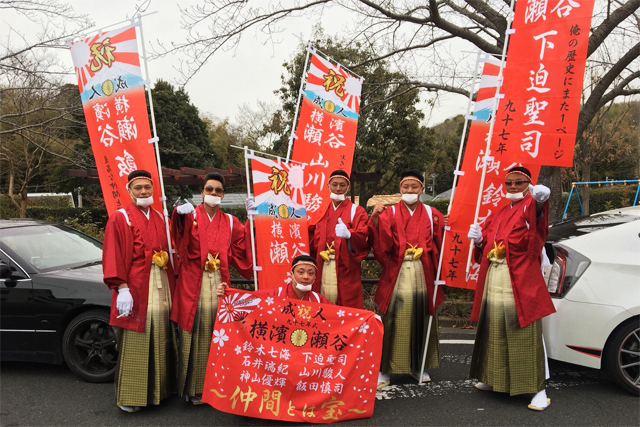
(247, 75)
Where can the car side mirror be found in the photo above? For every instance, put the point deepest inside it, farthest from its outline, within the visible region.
(5, 270)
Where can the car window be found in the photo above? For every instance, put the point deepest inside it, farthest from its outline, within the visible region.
(580, 226)
(49, 247)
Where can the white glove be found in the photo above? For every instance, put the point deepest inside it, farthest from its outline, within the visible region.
(185, 208)
(250, 204)
(475, 233)
(124, 303)
(540, 193)
(342, 230)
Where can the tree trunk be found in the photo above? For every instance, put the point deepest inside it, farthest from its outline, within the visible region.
(583, 190)
(550, 176)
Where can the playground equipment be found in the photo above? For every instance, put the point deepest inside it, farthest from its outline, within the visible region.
(599, 184)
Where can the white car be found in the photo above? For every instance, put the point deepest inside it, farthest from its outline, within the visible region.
(594, 281)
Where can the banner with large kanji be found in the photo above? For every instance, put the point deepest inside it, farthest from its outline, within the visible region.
(107, 67)
(326, 132)
(537, 119)
(292, 360)
(280, 222)
(463, 206)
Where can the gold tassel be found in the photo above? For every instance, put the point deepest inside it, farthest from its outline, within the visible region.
(329, 251)
(499, 251)
(212, 264)
(160, 258)
(415, 251)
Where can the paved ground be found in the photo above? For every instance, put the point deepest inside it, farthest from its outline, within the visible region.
(44, 395)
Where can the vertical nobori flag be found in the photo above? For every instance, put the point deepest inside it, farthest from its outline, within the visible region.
(326, 131)
(456, 245)
(107, 66)
(292, 360)
(543, 77)
(281, 220)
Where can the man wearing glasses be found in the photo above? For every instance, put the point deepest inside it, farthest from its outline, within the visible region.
(512, 297)
(207, 240)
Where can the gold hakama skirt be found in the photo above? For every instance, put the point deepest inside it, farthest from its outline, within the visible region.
(193, 352)
(329, 286)
(406, 322)
(145, 362)
(506, 356)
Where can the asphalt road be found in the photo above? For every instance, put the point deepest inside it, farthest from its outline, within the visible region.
(45, 395)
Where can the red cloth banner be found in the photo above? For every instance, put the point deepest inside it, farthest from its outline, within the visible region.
(107, 67)
(456, 244)
(281, 220)
(326, 132)
(292, 360)
(537, 119)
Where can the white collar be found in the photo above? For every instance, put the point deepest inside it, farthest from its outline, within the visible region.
(147, 213)
(211, 217)
(335, 208)
(409, 209)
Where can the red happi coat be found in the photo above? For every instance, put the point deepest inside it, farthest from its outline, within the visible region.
(347, 261)
(523, 236)
(129, 242)
(389, 241)
(195, 237)
(288, 292)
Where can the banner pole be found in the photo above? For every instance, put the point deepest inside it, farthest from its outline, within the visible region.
(266, 154)
(493, 121)
(444, 234)
(154, 140)
(295, 116)
(253, 238)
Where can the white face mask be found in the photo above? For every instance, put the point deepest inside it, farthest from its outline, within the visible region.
(304, 288)
(212, 200)
(514, 197)
(337, 197)
(143, 203)
(410, 198)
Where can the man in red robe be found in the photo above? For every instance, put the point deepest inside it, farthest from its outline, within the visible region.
(338, 242)
(512, 297)
(303, 274)
(136, 267)
(207, 242)
(406, 240)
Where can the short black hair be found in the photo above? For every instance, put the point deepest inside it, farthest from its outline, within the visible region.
(140, 173)
(214, 175)
(413, 173)
(339, 172)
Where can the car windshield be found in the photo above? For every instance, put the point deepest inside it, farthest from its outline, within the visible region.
(580, 226)
(49, 247)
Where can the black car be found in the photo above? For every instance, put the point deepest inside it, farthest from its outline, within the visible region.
(54, 305)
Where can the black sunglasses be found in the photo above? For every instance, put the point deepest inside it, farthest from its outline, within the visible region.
(516, 182)
(210, 189)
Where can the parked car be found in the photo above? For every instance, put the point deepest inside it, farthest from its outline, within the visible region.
(54, 305)
(594, 281)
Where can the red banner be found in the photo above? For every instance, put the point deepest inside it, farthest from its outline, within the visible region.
(292, 360)
(537, 119)
(326, 131)
(107, 67)
(463, 206)
(280, 222)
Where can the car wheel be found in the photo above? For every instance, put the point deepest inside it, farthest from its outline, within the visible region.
(89, 347)
(622, 357)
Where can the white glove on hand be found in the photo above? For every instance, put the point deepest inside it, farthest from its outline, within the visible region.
(540, 193)
(475, 233)
(186, 208)
(250, 204)
(342, 230)
(124, 303)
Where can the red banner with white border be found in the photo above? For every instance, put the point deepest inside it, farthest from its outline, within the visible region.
(292, 360)
(107, 67)
(326, 132)
(280, 221)
(538, 116)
